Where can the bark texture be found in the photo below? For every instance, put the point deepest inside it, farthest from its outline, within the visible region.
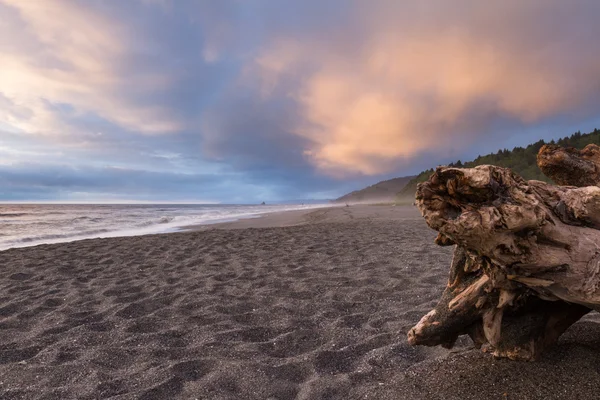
(527, 260)
(569, 166)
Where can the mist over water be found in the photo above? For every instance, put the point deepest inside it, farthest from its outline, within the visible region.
(32, 224)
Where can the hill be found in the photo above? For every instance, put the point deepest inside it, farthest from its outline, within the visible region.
(381, 192)
(520, 160)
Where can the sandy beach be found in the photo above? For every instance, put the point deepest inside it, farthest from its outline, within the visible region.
(299, 305)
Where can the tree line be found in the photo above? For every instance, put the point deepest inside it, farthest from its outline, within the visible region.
(521, 160)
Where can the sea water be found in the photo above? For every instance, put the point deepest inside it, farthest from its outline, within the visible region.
(31, 224)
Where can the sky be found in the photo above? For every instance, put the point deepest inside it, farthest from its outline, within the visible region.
(243, 101)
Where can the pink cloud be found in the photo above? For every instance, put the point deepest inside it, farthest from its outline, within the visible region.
(407, 79)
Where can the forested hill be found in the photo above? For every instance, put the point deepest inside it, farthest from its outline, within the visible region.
(520, 160)
(381, 192)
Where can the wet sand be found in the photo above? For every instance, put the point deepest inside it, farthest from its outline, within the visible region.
(300, 305)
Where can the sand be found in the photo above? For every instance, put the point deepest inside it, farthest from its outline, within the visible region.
(303, 305)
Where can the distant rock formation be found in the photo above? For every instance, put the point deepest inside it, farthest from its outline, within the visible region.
(381, 192)
(263, 204)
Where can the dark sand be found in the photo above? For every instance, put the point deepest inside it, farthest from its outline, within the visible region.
(317, 308)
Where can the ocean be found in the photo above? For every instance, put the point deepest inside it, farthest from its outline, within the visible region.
(32, 224)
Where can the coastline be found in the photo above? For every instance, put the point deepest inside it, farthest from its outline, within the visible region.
(138, 225)
(318, 308)
(332, 214)
(271, 219)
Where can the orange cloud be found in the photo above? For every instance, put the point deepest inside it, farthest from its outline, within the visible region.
(398, 87)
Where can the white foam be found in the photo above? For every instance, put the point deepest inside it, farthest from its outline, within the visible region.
(78, 223)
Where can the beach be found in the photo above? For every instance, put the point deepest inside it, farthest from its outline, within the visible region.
(310, 304)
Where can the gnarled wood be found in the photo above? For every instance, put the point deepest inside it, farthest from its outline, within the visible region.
(527, 260)
(504, 317)
(569, 166)
(534, 231)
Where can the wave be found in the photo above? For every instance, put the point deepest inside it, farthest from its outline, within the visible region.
(91, 219)
(85, 223)
(165, 220)
(40, 238)
(161, 220)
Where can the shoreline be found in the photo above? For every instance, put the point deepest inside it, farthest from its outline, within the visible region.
(332, 214)
(159, 229)
(272, 219)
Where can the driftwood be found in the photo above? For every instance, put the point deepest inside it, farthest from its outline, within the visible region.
(527, 259)
(569, 166)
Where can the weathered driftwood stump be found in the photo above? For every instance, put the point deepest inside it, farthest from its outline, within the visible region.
(527, 259)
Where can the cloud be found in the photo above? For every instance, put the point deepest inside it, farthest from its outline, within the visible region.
(411, 78)
(59, 182)
(281, 99)
(55, 182)
(68, 52)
